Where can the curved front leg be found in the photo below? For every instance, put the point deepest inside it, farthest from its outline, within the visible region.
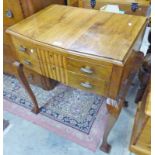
(114, 107)
(21, 76)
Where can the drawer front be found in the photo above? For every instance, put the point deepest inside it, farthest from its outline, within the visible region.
(33, 65)
(141, 10)
(89, 69)
(75, 80)
(87, 84)
(12, 12)
(33, 52)
(25, 49)
(92, 70)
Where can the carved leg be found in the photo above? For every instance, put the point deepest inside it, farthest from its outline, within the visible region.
(114, 109)
(21, 76)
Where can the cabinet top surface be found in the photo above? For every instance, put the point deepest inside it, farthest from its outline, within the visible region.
(83, 31)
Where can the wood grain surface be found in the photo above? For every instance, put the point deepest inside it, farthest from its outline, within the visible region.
(105, 35)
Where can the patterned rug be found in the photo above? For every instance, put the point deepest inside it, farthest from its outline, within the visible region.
(72, 107)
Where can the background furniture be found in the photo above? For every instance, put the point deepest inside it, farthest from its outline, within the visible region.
(92, 59)
(141, 134)
(144, 76)
(13, 12)
(138, 7)
(73, 3)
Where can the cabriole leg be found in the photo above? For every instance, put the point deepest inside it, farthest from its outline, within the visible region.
(21, 76)
(114, 108)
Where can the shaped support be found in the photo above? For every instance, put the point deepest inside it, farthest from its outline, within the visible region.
(114, 108)
(22, 78)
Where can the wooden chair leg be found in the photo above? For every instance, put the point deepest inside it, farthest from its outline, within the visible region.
(113, 113)
(21, 76)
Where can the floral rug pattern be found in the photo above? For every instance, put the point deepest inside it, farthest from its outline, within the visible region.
(72, 107)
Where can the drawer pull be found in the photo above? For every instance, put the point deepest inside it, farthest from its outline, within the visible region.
(22, 49)
(86, 85)
(134, 6)
(32, 50)
(9, 14)
(86, 70)
(92, 3)
(27, 62)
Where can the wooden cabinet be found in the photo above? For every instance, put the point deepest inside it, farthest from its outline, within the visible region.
(91, 59)
(13, 12)
(138, 7)
(141, 135)
(97, 52)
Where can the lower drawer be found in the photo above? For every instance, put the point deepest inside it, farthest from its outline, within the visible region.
(87, 84)
(32, 65)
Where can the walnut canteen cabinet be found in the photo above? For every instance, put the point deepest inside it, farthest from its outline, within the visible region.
(13, 12)
(98, 52)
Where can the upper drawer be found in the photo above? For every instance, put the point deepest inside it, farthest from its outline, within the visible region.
(12, 12)
(25, 49)
(92, 70)
(88, 84)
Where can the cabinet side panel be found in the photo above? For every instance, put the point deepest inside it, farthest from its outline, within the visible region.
(115, 81)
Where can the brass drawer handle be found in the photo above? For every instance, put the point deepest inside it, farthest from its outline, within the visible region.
(86, 69)
(9, 14)
(22, 49)
(86, 85)
(27, 62)
(32, 50)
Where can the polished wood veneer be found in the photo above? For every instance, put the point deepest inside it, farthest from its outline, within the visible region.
(63, 30)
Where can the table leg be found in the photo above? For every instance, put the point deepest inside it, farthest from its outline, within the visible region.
(21, 76)
(113, 113)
